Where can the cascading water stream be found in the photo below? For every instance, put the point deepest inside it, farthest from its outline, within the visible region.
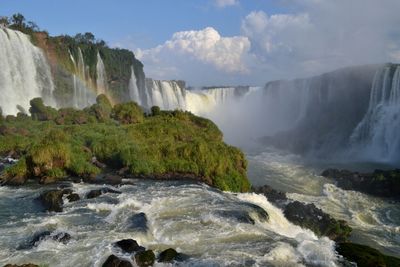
(101, 81)
(133, 88)
(24, 72)
(377, 136)
(82, 95)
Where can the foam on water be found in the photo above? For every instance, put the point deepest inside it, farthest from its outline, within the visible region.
(194, 219)
(367, 215)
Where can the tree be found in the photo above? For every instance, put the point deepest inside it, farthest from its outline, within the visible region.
(86, 38)
(4, 21)
(33, 26)
(18, 20)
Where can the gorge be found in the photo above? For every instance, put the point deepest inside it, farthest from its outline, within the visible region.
(290, 131)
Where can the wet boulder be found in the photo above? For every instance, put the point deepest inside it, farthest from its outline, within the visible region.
(365, 256)
(52, 200)
(313, 218)
(129, 246)
(138, 222)
(145, 258)
(273, 196)
(168, 255)
(94, 193)
(98, 192)
(114, 261)
(61, 237)
(240, 216)
(73, 197)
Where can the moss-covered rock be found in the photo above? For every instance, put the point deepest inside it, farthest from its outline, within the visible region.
(145, 258)
(365, 256)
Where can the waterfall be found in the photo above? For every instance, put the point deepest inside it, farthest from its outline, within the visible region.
(377, 136)
(170, 95)
(24, 72)
(101, 81)
(133, 88)
(205, 101)
(82, 95)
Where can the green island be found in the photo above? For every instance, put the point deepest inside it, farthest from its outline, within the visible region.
(55, 144)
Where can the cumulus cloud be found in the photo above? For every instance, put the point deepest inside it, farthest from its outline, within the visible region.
(225, 3)
(204, 47)
(316, 36)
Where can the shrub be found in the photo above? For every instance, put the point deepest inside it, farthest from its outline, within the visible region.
(155, 110)
(128, 113)
(73, 116)
(102, 109)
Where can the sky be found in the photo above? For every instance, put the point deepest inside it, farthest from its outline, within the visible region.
(222, 42)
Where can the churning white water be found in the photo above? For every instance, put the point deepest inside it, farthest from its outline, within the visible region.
(101, 80)
(24, 72)
(375, 221)
(212, 228)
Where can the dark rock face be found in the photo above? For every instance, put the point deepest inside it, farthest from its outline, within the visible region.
(272, 195)
(98, 192)
(145, 258)
(73, 197)
(129, 246)
(114, 261)
(309, 216)
(325, 94)
(138, 222)
(168, 255)
(52, 200)
(365, 256)
(94, 193)
(379, 183)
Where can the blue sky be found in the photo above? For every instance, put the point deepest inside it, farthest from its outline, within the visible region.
(221, 42)
(149, 22)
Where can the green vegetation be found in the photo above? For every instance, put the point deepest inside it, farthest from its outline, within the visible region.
(365, 256)
(168, 144)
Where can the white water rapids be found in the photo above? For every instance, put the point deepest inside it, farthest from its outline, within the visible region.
(209, 226)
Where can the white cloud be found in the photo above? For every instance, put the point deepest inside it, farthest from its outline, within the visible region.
(319, 36)
(225, 3)
(204, 47)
